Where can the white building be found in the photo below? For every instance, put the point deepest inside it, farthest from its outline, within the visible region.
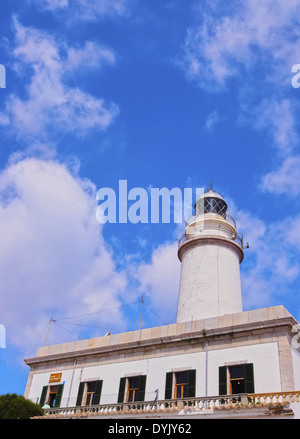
(216, 361)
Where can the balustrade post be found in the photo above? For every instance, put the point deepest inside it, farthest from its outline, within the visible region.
(180, 405)
(244, 399)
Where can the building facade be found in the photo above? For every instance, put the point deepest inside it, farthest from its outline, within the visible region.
(215, 357)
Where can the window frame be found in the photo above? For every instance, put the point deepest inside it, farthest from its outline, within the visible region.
(83, 393)
(182, 386)
(51, 392)
(171, 384)
(230, 379)
(89, 394)
(139, 392)
(225, 385)
(47, 391)
(130, 389)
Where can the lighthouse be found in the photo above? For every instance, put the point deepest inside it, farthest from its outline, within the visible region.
(210, 252)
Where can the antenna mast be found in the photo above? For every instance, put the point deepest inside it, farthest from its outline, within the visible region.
(142, 301)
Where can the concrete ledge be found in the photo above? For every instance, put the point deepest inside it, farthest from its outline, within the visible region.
(212, 240)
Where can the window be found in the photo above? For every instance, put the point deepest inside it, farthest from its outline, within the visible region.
(132, 389)
(52, 395)
(180, 384)
(236, 379)
(89, 393)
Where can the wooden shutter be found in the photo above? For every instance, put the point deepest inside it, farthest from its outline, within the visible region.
(222, 380)
(191, 383)
(97, 394)
(121, 390)
(249, 378)
(169, 385)
(59, 393)
(43, 395)
(80, 394)
(142, 387)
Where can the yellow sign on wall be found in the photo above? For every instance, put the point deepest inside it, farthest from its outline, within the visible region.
(55, 378)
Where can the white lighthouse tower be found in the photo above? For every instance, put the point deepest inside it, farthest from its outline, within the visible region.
(210, 252)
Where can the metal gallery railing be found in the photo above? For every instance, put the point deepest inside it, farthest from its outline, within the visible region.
(238, 239)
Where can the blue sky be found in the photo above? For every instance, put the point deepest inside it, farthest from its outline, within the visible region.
(161, 94)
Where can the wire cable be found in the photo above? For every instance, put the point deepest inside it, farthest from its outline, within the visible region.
(96, 312)
(96, 327)
(62, 321)
(75, 335)
(155, 314)
(36, 344)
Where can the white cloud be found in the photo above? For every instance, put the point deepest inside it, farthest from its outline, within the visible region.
(93, 8)
(53, 259)
(55, 262)
(285, 179)
(271, 264)
(211, 121)
(91, 55)
(88, 10)
(250, 47)
(220, 46)
(278, 117)
(51, 104)
(53, 5)
(159, 281)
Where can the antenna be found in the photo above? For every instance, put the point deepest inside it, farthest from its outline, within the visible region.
(142, 301)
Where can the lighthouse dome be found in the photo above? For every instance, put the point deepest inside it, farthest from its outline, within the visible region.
(211, 202)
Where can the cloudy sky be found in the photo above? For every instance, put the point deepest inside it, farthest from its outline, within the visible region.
(168, 93)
